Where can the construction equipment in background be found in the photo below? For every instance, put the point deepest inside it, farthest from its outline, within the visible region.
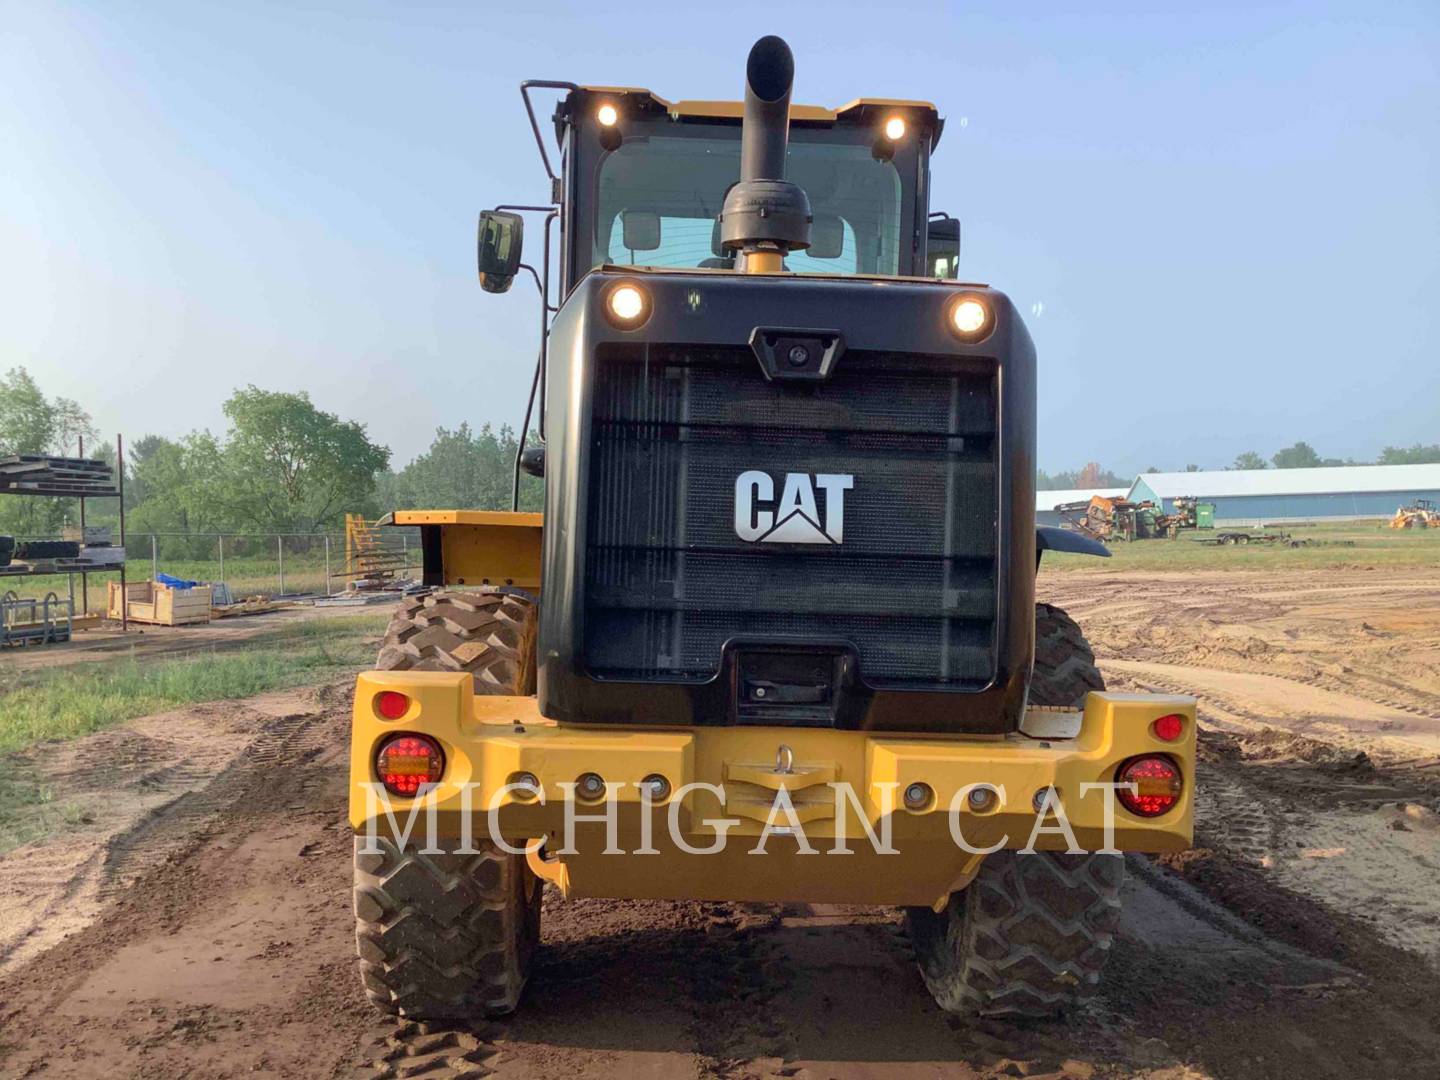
(1121, 519)
(1190, 513)
(1118, 518)
(1420, 514)
(372, 561)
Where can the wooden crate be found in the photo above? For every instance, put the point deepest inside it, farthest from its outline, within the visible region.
(153, 602)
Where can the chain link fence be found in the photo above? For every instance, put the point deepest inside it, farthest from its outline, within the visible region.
(250, 564)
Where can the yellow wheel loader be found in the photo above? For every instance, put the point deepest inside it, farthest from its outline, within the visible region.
(774, 636)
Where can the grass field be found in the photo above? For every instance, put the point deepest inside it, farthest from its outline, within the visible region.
(69, 702)
(1350, 544)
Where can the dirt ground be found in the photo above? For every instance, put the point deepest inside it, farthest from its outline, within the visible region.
(107, 641)
(197, 921)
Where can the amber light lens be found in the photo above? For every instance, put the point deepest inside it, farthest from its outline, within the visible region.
(1157, 786)
(404, 762)
(391, 704)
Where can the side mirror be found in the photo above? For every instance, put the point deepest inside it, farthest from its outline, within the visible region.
(497, 249)
(942, 248)
(532, 461)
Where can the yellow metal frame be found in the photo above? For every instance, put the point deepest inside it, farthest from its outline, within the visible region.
(484, 547)
(489, 741)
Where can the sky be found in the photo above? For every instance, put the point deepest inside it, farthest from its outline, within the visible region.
(1222, 220)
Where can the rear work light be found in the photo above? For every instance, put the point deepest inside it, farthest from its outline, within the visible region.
(404, 762)
(391, 704)
(1157, 785)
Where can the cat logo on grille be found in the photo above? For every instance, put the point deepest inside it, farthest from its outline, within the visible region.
(795, 518)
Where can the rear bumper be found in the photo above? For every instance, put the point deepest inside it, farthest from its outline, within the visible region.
(840, 784)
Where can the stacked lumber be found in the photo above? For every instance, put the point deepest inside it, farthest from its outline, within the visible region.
(37, 474)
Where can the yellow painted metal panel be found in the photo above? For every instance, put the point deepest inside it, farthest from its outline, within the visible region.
(518, 519)
(489, 741)
(485, 547)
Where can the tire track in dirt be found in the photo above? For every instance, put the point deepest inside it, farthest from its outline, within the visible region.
(1378, 642)
(141, 792)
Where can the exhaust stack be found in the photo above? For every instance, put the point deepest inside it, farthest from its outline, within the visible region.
(765, 216)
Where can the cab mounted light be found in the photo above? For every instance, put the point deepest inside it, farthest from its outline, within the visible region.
(891, 132)
(608, 117)
(970, 319)
(627, 306)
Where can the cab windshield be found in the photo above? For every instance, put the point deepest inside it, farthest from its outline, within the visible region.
(657, 198)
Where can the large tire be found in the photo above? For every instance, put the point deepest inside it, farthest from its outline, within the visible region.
(444, 937)
(1065, 668)
(488, 632)
(1030, 935)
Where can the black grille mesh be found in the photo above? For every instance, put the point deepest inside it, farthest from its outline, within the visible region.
(668, 581)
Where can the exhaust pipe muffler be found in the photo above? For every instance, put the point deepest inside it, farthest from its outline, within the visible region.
(765, 216)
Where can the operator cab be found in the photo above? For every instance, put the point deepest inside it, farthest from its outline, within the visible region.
(645, 181)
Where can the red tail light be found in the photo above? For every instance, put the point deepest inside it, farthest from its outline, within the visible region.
(404, 762)
(391, 704)
(1169, 727)
(1157, 785)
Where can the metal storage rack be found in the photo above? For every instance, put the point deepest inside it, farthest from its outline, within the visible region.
(70, 478)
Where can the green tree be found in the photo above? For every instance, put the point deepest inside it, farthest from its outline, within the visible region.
(1300, 456)
(1249, 460)
(464, 470)
(31, 423)
(180, 489)
(289, 467)
(1091, 476)
(1410, 455)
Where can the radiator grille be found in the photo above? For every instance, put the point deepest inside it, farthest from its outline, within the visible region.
(669, 581)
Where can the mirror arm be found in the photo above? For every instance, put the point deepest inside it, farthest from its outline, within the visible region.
(537, 383)
(545, 310)
(542, 84)
(534, 274)
(524, 431)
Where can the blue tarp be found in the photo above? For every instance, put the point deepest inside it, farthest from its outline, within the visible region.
(175, 582)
